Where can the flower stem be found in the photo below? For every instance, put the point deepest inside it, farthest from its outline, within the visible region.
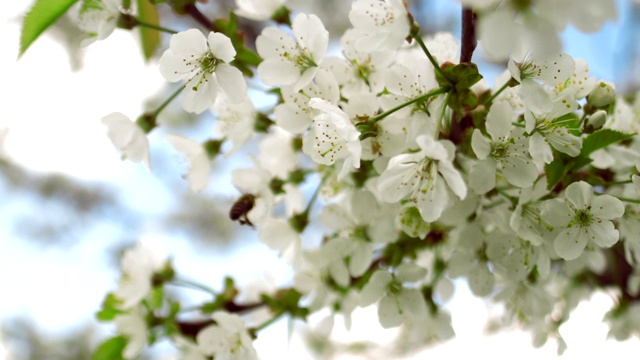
(626, 199)
(192, 284)
(441, 117)
(431, 93)
(433, 61)
(494, 95)
(154, 27)
(267, 323)
(166, 102)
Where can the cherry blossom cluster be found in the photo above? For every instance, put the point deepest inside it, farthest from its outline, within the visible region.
(527, 189)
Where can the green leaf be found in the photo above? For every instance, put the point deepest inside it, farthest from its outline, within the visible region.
(555, 171)
(149, 38)
(601, 139)
(109, 308)
(42, 14)
(110, 349)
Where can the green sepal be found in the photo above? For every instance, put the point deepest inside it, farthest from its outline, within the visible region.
(286, 300)
(459, 77)
(41, 15)
(156, 298)
(462, 100)
(110, 308)
(245, 59)
(111, 349)
(179, 6)
(149, 38)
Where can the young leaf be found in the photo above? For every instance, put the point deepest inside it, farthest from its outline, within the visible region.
(149, 38)
(42, 14)
(110, 349)
(601, 139)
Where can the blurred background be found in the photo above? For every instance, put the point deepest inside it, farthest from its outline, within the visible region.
(71, 206)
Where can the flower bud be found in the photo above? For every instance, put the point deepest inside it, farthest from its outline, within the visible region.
(597, 119)
(602, 95)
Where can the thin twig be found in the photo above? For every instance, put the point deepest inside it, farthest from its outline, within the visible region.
(469, 41)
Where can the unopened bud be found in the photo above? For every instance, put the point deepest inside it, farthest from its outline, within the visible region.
(602, 95)
(597, 119)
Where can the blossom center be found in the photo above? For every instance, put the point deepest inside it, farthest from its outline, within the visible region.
(583, 218)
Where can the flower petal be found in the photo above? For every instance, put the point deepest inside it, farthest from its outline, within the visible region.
(570, 243)
(231, 82)
(607, 207)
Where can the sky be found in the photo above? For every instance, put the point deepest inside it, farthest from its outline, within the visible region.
(54, 119)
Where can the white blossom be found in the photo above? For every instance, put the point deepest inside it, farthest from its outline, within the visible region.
(138, 265)
(204, 64)
(333, 137)
(134, 327)
(227, 339)
(584, 219)
(290, 61)
(258, 10)
(127, 137)
(507, 150)
(98, 18)
(424, 178)
(385, 24)
(199, 163)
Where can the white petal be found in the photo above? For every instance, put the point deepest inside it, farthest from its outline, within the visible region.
(570, 243)
(520, 172)
(535, 97)
(603, 233)
(556, 212)
(607, 207)
(580, 194)
(453, 178)
(499, 120)
(539, 149)
(389, 312)
(482, 177)
(481, 280)
(311, 34)
(278, 72)
(231, 82)
(198, 95)
(481, 145)
(221, 47)
(375, 288)
(277, 234)
(187, 43)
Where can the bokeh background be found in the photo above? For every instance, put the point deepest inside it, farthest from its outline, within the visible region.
(70, 206)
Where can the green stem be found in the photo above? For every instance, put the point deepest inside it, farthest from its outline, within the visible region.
(441, 117)
(621, 182)
(154, 27)
(194, 285)
(494, 95)
(431, 93)
(268, 322)
(166, 102)
(431, 58)
(629, 200)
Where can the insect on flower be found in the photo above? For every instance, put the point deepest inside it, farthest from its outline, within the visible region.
(241, 208)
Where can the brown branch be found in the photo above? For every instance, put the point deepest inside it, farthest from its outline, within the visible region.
(468, 41)
(198, 16)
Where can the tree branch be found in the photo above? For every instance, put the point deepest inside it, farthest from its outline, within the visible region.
(198, 16)
(468, 41)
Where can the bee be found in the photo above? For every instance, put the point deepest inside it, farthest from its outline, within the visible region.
(241, 208)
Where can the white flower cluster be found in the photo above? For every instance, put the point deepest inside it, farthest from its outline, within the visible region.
(427, 176)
